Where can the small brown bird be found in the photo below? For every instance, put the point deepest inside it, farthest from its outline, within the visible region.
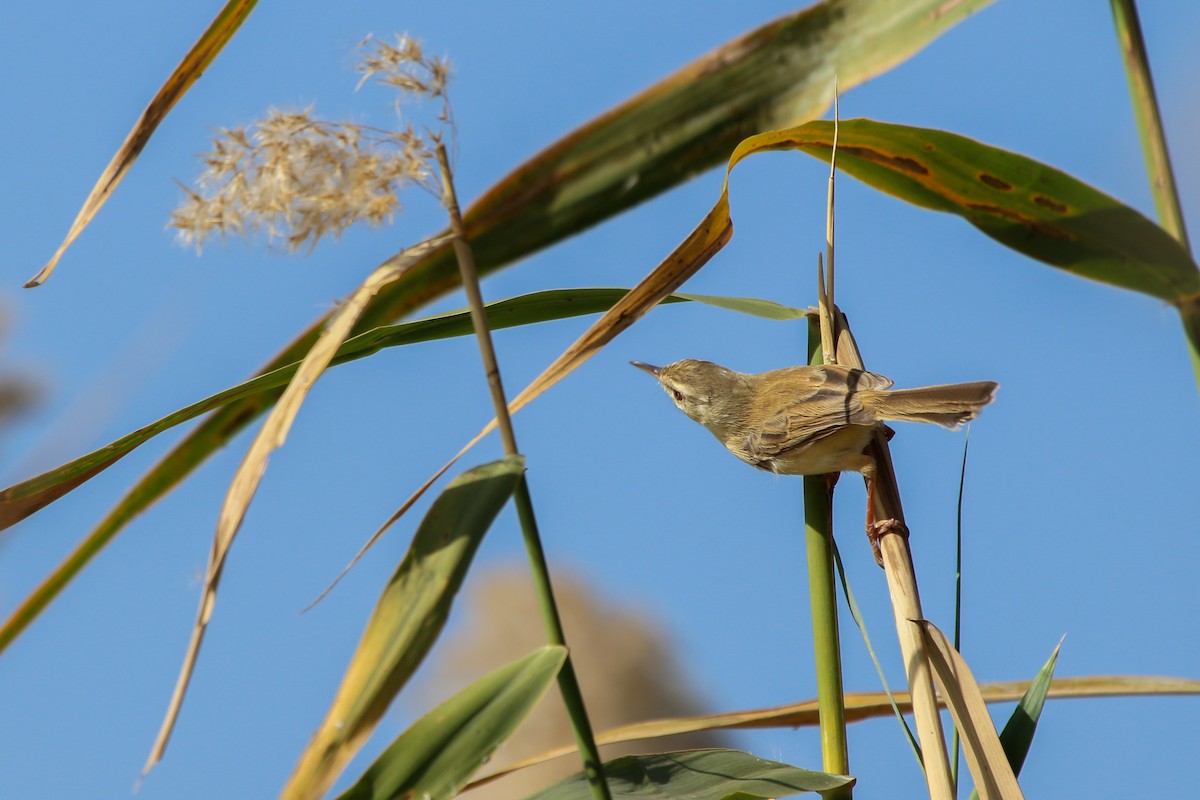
(809, 420)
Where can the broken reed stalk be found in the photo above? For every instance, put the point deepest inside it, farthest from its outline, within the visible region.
(567, 681)
(902, 588)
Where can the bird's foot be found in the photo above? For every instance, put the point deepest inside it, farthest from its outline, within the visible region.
(878, 529)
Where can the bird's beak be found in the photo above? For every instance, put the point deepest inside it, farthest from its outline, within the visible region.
(653, 370)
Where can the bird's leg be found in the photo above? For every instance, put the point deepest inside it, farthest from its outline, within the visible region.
(872, 536)
(876, 529)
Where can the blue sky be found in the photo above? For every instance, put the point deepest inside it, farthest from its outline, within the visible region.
(1080, 492)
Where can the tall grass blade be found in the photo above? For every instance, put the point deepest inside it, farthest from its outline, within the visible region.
(219, 32)
(406, 620)
(437, 755)
(994, 777)
(1018, 732)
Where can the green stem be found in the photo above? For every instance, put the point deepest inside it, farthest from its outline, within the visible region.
(818, 519)
(1154, 150)
(1189, 312)
(568, 684)
(1149, 119)
(818, 531)
(958, 560)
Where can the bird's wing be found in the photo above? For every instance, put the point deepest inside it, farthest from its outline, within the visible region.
(809, 406)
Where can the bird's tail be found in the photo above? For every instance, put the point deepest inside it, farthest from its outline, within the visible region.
(948, 406)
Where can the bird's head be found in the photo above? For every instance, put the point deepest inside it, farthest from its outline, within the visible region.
(708, 393)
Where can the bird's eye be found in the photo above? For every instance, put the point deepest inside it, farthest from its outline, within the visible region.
(678, 396)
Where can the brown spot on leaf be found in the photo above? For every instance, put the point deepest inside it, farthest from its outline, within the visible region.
(994, 182)
(887, 159)
(910, 164)
(1053, 205)
(1009, 215)
(996, 211)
